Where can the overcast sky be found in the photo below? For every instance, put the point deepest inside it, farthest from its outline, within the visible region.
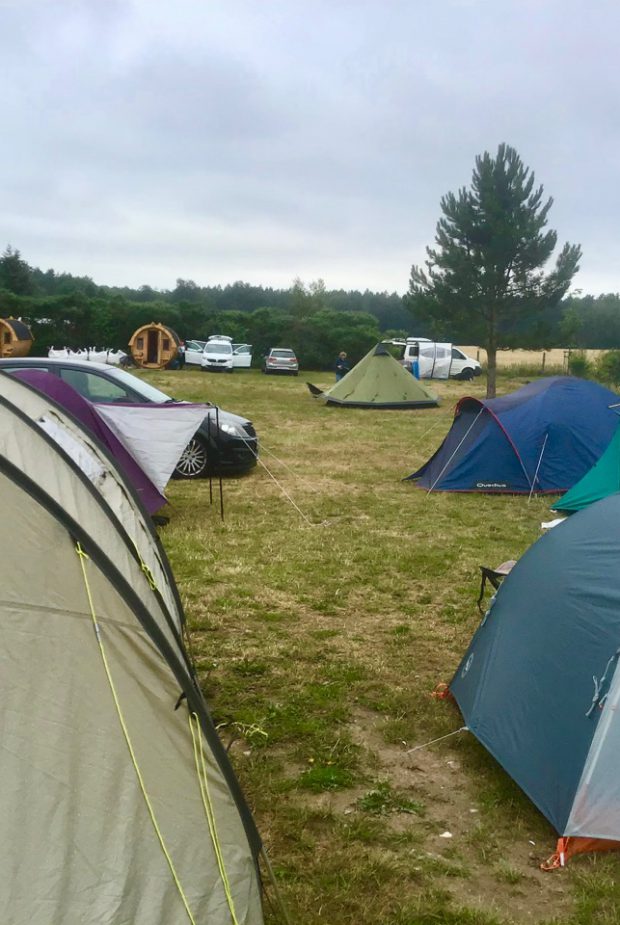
(263, 140)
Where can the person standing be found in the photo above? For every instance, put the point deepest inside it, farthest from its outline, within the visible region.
(415, 363)
(181, 354)
(342, 366)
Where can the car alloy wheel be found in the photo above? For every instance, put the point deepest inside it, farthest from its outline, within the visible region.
(194, 461)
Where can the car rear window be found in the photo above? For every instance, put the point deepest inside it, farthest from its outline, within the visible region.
(282, 353)
(94, 387)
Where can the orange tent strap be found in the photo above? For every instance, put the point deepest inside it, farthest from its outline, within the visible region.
(442, 692)
(568, 847)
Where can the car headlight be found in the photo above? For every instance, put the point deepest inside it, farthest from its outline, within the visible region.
(233, 429)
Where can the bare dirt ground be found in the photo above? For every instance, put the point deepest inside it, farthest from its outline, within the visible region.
(506, 882)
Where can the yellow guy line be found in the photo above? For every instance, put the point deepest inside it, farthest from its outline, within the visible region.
(201, 770)
(149, 575)
(82, 557)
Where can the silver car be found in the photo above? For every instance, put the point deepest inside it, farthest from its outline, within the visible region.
(281, 360)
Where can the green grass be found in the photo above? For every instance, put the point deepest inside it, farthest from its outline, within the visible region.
(319, 633)
(383, 799)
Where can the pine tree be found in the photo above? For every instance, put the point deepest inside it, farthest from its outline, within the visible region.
(485, 276)
(15, 274)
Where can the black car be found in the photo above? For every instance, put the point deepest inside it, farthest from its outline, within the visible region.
(224, 442)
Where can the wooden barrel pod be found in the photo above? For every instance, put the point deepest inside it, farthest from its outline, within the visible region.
(154, 346)
(15, 338)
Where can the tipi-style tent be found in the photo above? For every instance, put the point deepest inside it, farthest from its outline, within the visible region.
(378, 381)
(154, 346)
(602, 480)
(539, 685)
(542, 438)
(118, 802)
(15, 338)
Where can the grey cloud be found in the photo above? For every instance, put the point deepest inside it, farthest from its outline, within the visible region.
(144, 141)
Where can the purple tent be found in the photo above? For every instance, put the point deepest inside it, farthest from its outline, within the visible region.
(66, 396)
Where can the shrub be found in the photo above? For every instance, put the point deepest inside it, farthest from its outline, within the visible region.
(579, 365)
(608, 367)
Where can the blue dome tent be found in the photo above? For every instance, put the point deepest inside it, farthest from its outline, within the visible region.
(542, 438)
(539, 685)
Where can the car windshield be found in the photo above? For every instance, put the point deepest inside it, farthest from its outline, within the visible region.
(224, 349)
(147, 391)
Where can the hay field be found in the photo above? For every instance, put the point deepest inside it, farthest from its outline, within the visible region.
(556, 358)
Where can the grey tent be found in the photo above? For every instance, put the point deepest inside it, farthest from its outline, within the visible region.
(113, 486)
(118, 802)
(378, 381)
(539, 685)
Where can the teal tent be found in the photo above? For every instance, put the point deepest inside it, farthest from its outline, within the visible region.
(602, 480)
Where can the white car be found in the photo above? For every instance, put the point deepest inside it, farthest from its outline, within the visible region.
(242, 356)
(217, 355)
(193, 352)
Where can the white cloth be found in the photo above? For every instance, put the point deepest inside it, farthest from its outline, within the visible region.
(549, 524)
(155, 435)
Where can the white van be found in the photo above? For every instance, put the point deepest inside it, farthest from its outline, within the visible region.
(463, 366)
(435, 360)
(217, 355)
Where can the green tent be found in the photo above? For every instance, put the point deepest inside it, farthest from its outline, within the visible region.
(602, 480)
(378, 381)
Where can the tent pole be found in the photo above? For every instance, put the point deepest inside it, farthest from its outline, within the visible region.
(538, 467)
(274, 884)
(210, 475)
(456, 451)
(217, 424)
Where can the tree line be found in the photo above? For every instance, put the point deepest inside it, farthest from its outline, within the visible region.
(66, 310)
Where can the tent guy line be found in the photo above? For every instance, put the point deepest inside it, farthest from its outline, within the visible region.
(448, 735)
(460, 444)
(285, 493)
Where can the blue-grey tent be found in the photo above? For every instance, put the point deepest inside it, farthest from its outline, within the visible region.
(539, 685)
(544, 438)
